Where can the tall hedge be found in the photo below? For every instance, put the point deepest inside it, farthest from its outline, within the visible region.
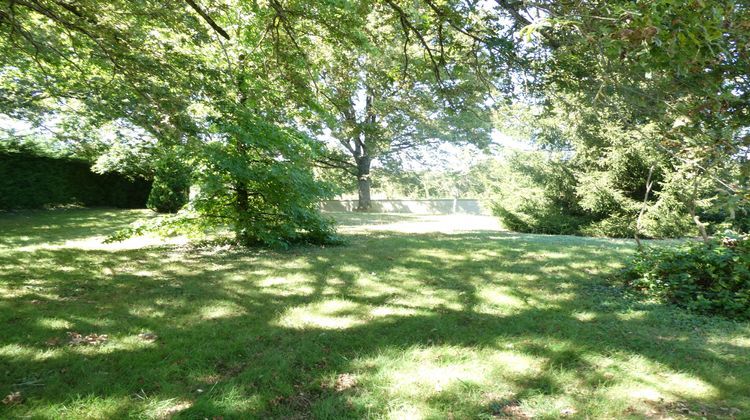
(32, 181)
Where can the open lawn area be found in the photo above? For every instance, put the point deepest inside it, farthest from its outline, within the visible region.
(415, 317)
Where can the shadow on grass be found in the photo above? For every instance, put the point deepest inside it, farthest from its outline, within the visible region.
(265, 334)
(35, 227)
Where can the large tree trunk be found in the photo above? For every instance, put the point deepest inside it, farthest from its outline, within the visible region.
(363, 184)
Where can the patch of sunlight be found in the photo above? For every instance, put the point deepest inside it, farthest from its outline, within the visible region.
(17, 351)
(295, 264)
(222, 310)
(738, 341)
(15, 292)
(371, 286)
(485, 254)
(425, 223)
(113, 345)
(89, 406)
(557, 298)
(425, 372)
(54, 323)
(549, 255)
(585, 265)
(235, 399)
(287, 286)
(102, 323)
(640, 393)
(329, 314)
(163, 409)
(96, 243)
(299, 289)
(497, 296)
(584, 316)
(651, 381)
(685, 385)
(632, 315)
(383, 311)
(405, 411)
(429, 299)
(146, 311)
(144, 273)
(442, 255)
(516, 363)
(274, 281)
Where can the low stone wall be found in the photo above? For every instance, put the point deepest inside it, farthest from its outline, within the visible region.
(433, 206)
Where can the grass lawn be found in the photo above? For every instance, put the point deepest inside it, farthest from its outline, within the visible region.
(417, 317)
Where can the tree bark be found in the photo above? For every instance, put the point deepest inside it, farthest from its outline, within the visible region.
(694, 215)
(364, 202)
(638, 223)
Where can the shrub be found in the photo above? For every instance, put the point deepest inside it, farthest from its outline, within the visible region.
(539, 196)
(171, 187)
(615, 226)
(711, 278)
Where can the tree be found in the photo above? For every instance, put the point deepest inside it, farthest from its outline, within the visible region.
(384, 93)
(171, 69)
(669, 78)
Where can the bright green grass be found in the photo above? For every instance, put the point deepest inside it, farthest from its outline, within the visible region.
(393, 325)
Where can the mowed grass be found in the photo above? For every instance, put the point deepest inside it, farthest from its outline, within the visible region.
(468, 322)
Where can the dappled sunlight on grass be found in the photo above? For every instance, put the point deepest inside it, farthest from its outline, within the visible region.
(414, 223)
(472, 323)
(221, 310)
(328, 314)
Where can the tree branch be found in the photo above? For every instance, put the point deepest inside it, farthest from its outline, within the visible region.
(208, 19)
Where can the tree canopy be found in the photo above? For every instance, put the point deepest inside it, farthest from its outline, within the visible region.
(248, 97)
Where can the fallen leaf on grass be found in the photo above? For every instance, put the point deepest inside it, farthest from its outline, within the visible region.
(13, 398)
(52, 342)
(91, 339)
(148, 336)
(508, 408)
(345, 381)
(515, 412)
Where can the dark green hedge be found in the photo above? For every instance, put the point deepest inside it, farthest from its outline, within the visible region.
(31, 181)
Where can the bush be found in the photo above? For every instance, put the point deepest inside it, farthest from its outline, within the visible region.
(615, 226)
(171, 187)
(538, 195)
(540, 220)
(711, 278)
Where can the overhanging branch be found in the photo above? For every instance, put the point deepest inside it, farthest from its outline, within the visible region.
(208, 19)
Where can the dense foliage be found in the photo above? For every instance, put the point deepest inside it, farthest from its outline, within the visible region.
(660, 85)
(555, 194)
(538, 195)
(32, 181)
(631, 95)
(712, 278)
(171, 186)
(226, 101)
(389, 96)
